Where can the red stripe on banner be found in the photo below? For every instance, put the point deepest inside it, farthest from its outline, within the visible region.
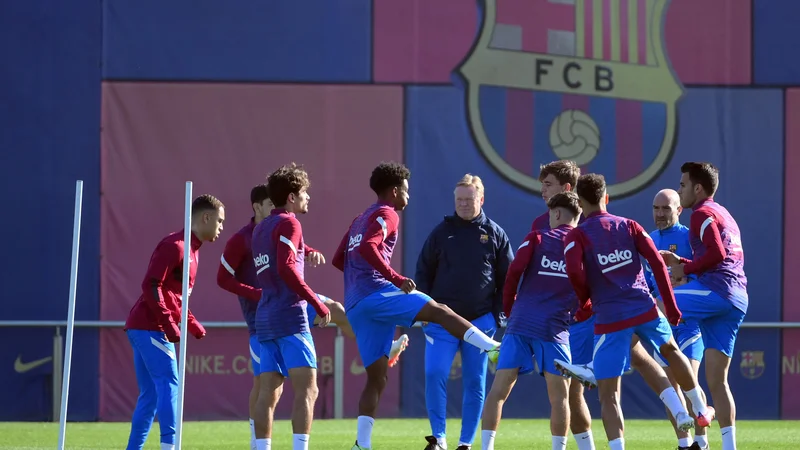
(644, 28)
(606, 29)
(629, 139)
(519, 129)
(588, 29)
(624, 41)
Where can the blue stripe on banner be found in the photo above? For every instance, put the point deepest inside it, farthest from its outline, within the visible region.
(603, 111)
(493, 116)
(654, 117)
(546, 106)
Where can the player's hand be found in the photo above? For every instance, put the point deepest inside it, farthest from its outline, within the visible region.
(670, 259)
(316, 259)
(677, 271)
(324, 320)
(173, 332)
(197, 330)
(674, 318)
(678, 281)
(408, 285)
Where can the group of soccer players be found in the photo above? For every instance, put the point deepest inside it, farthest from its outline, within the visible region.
(596, 259)
(576, 297)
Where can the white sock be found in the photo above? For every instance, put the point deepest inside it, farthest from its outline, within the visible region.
(300, 441)
(585, 440)
(442, 442)
(702, 440)
(617, 444)
(673, 402)
(728, 438)
(698, 405)
(684, 442)
(167, 446)
(559, 443)
(487, 439)
(464, 443)
(477, 338)
(364, 431)
(252, 435)
(263, 444)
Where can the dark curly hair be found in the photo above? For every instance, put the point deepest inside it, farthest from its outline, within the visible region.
(591, 187)
(388, 175)
(289, 179)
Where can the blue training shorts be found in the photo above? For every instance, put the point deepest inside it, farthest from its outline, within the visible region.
(519, 352)
(286, 353)
(687, 336)
(718, 319)
(581, 341)
(255, 354)
(375, 318)
(612, 351)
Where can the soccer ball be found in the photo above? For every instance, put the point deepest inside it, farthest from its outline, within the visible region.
(575, 136)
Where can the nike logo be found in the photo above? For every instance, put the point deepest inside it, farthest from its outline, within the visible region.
(356, 368)
(21, 367)
(725, 433)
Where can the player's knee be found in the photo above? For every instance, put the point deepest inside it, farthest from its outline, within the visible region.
(437, 373)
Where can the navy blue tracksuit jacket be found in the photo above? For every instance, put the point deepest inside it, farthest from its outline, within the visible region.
(463, 264)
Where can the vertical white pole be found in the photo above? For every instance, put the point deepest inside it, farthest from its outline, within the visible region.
(187, 249)
(338, 375)
(73, 288)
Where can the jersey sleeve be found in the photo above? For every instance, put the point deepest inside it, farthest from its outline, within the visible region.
(574, 248)
(385, 223)
(339, 254)
(517, 268)
(705, 225)
(232, 258)
(647, 248)
(166, 258)
(289, 233)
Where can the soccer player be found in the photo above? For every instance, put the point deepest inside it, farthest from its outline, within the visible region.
(538, 321)
(718, 298)
(237, 275)
(287, 348)
(557, 177)
(463, 265)
(671, 235)
(153, 324)
(602, 262)
(377, 299)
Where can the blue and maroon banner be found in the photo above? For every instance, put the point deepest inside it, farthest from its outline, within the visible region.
(137, 97)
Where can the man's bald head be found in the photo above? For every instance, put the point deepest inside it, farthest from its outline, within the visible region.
(666, 208)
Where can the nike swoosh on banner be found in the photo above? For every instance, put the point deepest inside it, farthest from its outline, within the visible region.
(21, 367)
(356, 368)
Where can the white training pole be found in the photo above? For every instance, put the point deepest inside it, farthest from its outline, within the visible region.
(187, 249)
(73, 288)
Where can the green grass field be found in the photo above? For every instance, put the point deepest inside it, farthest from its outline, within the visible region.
(388, 434)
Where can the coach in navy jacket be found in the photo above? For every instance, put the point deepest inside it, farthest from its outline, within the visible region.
(463, 264)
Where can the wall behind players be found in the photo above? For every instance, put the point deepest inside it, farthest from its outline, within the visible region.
(223, 94)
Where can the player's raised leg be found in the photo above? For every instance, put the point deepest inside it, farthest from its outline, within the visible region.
(456, 325)
(440, 349)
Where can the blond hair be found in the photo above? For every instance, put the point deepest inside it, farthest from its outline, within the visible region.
(470, 180)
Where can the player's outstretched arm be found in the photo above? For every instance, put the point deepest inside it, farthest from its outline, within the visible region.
(166, 258)
(427, 263)
(383, 225)
(504, 256)
(647, 248)
(703, 224)
(289, 232)
(231, 260)
(574, 245)
(517, 268)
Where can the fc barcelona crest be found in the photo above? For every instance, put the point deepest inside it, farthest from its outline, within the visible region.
(673, 248)
(752, 365)
(586, 80)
